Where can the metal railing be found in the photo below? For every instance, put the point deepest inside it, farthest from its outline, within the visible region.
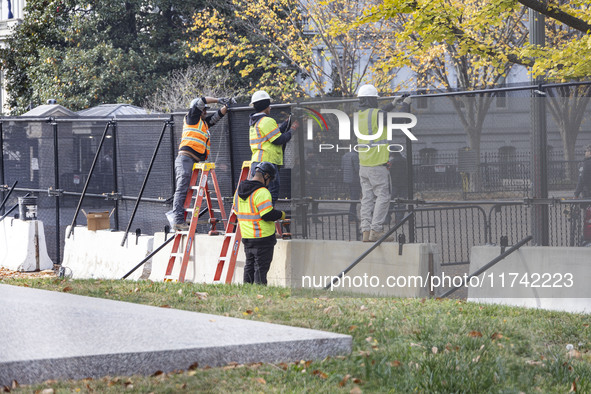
(453, 225)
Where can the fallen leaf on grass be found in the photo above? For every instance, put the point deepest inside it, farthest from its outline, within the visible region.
(351, 328)
(434, 350)
(395, 363)
(320, 374)
(193, 366)
(573, 387)
(165, 306)
(574, 353)
(261, 380)
(363, 308)
(475, 334)
(259, 296)
(533, 362)
(247, 312)
(345, 380)
(476, 359)
(356, 390)
(496, 335)
(67, 288)
(201, 296)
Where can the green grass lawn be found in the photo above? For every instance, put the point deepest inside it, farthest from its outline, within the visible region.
(399, 345)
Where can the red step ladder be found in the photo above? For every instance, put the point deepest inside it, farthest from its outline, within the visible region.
(198, 182)
(232, 229)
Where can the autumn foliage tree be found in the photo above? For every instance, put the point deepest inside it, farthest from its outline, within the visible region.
(455, 45)
(295, 47)
(481, 41)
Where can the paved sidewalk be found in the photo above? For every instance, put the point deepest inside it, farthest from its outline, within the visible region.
(52, 335)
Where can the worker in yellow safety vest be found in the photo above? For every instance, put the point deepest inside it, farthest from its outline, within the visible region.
(256, 218)
(267, 139)
(194, 147)
(374, 175)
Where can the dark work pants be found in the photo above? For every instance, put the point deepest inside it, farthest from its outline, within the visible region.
(258, 261)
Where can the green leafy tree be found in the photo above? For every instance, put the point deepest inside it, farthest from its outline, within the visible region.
(86, 53)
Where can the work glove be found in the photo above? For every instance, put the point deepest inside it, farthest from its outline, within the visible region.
(405, 98)
(282, 215)
(227, 101)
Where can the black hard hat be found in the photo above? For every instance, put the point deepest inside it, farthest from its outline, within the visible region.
(266, 168)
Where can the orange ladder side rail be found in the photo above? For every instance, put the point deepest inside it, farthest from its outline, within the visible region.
(232, 228)
(201, 173)
(178, 235)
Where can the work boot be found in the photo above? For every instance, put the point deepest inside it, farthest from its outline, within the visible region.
(375, 235)
(180, 227)
(366, 236)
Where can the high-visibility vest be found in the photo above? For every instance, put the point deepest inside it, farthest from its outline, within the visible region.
(250, 212)
(196, 137)
(377, 154)
(262, 133)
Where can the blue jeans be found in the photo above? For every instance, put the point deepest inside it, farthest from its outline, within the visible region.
(273, 185)
(183, 167)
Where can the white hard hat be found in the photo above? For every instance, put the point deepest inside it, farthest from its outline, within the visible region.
(259, 95)
(367, 91)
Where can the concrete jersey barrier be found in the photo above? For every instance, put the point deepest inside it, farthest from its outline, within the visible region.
(22, 245)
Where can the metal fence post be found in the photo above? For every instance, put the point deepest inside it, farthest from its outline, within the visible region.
(115, 174)
(172, 155)
(56, 185)
(231, 150)
(539, 172)
(2, 180)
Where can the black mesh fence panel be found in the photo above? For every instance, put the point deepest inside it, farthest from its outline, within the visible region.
(469, 147)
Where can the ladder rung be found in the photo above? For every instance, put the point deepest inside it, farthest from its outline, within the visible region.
(176, 254)
(223, 259)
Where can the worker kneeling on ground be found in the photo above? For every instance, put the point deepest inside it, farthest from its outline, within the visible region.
(256, 218)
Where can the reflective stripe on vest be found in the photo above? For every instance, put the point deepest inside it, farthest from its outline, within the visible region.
(262, 133)
(196, 137)
(377, 152)
(250, 211)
